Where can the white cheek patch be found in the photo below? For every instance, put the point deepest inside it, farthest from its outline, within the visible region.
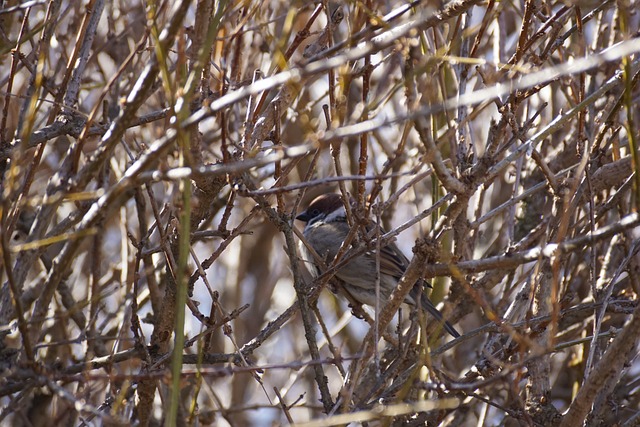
(337, 215)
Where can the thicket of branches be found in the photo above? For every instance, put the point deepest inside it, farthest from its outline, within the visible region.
(153, 156)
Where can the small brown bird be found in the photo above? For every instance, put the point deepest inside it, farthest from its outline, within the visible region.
(326, 228)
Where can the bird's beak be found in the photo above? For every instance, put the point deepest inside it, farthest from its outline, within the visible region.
(303, 216)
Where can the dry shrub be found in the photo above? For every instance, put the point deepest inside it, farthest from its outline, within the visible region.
(153, 157)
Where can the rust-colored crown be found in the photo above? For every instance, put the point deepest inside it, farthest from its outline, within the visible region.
(321, 205)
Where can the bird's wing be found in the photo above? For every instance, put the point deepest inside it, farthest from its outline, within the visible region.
(392, 261)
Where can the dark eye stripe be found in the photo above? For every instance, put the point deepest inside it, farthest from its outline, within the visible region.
(316, 217)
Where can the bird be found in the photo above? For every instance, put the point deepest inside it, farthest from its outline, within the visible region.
(325, 230)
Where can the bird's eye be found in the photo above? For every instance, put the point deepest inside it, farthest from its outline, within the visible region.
(315, 212)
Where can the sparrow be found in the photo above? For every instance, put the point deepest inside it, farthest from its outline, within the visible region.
(326, 229)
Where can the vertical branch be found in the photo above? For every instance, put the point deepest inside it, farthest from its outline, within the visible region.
(307, 317)
(465, 143)
(364, 158)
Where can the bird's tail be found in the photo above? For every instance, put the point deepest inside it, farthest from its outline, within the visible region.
(428, 306)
